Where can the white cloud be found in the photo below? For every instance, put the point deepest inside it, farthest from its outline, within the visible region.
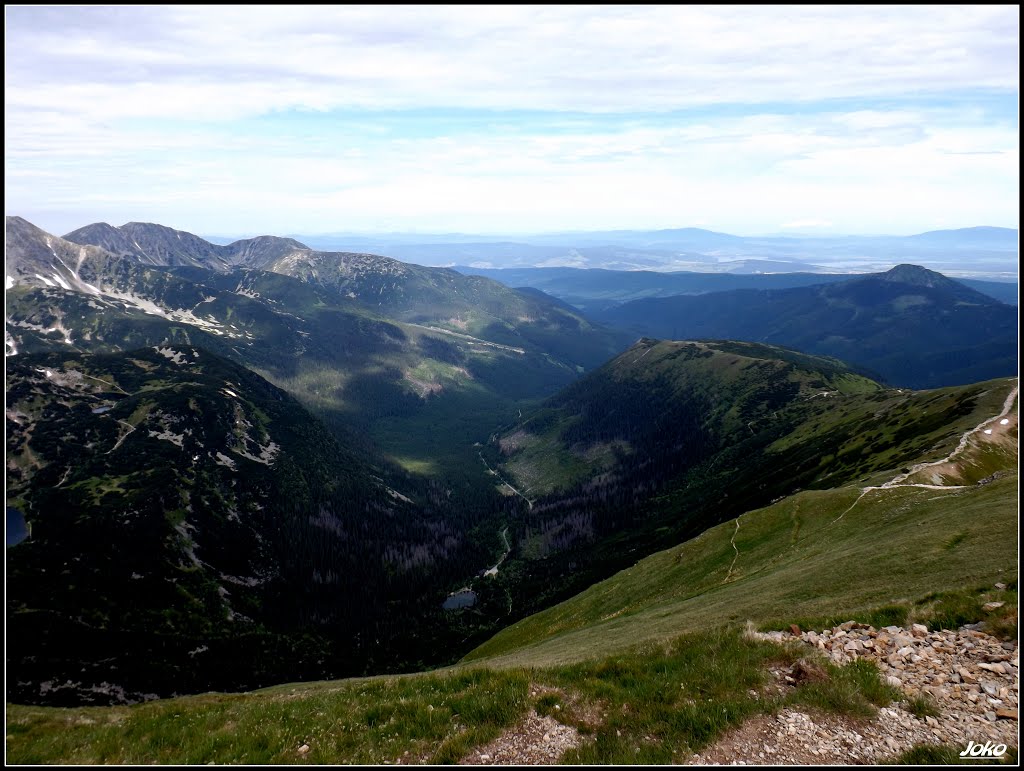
(747, 173)
(807, 223)
(194, 61)
(217, 119)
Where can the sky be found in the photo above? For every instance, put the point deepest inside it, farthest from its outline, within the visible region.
(513, 119)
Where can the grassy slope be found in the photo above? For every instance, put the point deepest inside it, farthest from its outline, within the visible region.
(653, 706)
(657, 702)
(730, 379)
(793, 562)
(800, 557)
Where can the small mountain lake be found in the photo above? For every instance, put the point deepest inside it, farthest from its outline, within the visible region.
(464, 598)
(16, 530)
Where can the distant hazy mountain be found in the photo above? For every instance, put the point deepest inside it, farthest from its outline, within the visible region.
(1000, 238)
(982, 252)
(914, 327)
(595, 289)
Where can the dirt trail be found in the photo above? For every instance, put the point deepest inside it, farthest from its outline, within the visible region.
(1007, 406)
(898, 480)
(535, 741)
(124, 436)
(732, 542)
(529, 503)
(469, 338)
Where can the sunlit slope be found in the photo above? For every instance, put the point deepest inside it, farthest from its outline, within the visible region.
(662, 406)
(816, 553)
(379, 357)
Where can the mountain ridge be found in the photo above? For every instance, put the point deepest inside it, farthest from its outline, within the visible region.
(162, 245)
(402, 290)
(354, 348)
(674, 437)
(927, 333)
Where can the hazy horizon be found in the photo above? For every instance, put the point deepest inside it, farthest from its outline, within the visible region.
(492, 235)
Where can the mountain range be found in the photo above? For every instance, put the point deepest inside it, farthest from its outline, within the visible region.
(911, 326)
(978, 252)
(653, 663)
(357, 338)
(594, 290)
(259, 461)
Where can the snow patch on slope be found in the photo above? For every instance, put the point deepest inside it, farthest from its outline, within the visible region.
(176, 356)
(267, 453)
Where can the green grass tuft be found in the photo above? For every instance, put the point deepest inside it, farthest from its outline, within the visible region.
(546, 704)
(922, 707)
(856, 689)
(437, 717)
(953, 609)
(885, 615)
(955, 540)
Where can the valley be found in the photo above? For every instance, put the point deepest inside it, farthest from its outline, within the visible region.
(334, 464)
(630, 666)
(511, 385)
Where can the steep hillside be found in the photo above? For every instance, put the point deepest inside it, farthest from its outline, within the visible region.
(191, 526)
(33, 257)
(914, 327)
(471, 305)
(672, 438)
(678, 400)
(888, 545)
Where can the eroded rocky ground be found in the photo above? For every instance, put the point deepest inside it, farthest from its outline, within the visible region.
(970, 678)
(536, 741)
